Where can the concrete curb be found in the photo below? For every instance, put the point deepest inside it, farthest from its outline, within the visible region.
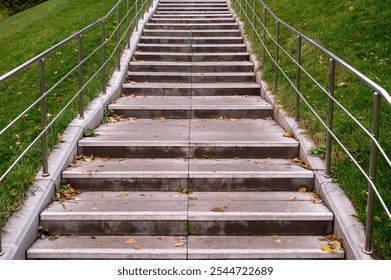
(21, 229)
(345, 225)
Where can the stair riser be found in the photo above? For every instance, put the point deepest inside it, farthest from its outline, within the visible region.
(194, 113)
(114, 227)
(195, 16)
(183, 152)
(184, 10)
(191, 58)
(187, 21)
(193, 27)
(177, 227)
(195, 184)
(192, 49)
(190, 92)
(191, 79)
(174, 33)
(189, 69)
(246, 228)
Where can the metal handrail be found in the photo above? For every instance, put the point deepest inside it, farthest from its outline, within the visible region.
(138, 7)
(244, 10)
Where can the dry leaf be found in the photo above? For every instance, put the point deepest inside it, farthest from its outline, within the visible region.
(293, 197)
(133, 82)
(193, 198)
(176, 243)
(302, 190)
(342, 84)
(278, 241)
(102, 242)
(130, 241)
(184, 191)
(54, 237)
(123, 195)
(232, 119)
(288, 134)
(138, 247)
(218, 209)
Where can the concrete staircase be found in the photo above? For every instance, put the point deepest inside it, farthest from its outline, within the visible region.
(192, 165)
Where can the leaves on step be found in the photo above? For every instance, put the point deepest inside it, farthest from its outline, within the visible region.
(53, 237)
(138, 247)
(301, 163)
(177, 243)
(334, 243)
(193, 198)
(288, 134)
(102, 242)
(316, 199)
(123, 195)
(184, 190)
(130, 241)
(218, 209)
(293, 197)
(302, 190)
(132, 120)
(65, 192)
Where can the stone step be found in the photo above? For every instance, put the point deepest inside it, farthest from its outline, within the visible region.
(190, 40)
(195, 15)
(192, 247)
(193, 48)
(186, 89)
(185, 107)
(192, 20)
(187, 67)
(198, 174)
(192, 33)
(192, 26)
(192, 5)
(206, 213)
(191, 57)
(191, 10)
(190, 1)
(170, 138)
(177, 77)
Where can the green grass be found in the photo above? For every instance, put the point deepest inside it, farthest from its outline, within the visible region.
(24, 36)
(358, 32)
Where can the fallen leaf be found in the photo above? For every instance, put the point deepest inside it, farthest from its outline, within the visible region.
(133, 82)
(102, 242)
(342, 84)
(278, 241)
(293, 197)
(123, 194)
(193, 198)
(54, 237)
(288, 134)
(176, 243)
(130, 241)
(218, 209)
(232, 119)
(327, 248)
(184, 191)
(14, 192)
(302, 190)
(138, 247)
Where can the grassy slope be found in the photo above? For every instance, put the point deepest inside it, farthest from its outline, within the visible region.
(358, 32)
(22, 37)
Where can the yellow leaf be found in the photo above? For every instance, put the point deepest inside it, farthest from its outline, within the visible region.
(184, 191)
(123, 195)
(335, 245)
(130, 241)
(327, 248)
(14, 192)
(288, 134)
(176, 243)
(302, 189)
(377, 219)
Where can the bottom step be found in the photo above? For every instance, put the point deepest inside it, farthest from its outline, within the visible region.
(181, 247)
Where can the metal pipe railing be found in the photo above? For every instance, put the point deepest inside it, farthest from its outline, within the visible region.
(136, 9)
(379, 94)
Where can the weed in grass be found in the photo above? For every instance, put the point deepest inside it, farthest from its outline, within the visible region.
(319, 151)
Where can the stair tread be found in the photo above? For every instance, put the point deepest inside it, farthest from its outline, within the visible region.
(183, 168)
(199, 206)
(177, 247)
(191, 102)
(174, 132)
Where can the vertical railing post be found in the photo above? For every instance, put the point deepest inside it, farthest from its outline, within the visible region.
(254, 20)
(241, 9)
(103, 57)
(277, 52)
(298, 78)
(127, 24)
(264, 36)
(44, 137)
(372, 173)
(246, 19)
(137, 15)
(330, 111)
(142, 9)
(118, 39)
(1, 246)
(81, 92)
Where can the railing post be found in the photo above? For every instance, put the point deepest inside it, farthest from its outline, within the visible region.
(246, 17)
(103, 57)
(117, 40)
(137, 15)
(277, 52)
(1, 246)
(127, 24)
(44, 137)
(372, 173)
(142, 9)
(254, 20)
(264, 36)
(241, 9)
(298, 78)
(330, 110)
(81, 93)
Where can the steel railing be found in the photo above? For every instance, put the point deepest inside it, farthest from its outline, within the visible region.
(132, 10)
(255, 18)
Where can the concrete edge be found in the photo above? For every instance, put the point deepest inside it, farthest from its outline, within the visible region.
(20, 232)
(346, 226)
